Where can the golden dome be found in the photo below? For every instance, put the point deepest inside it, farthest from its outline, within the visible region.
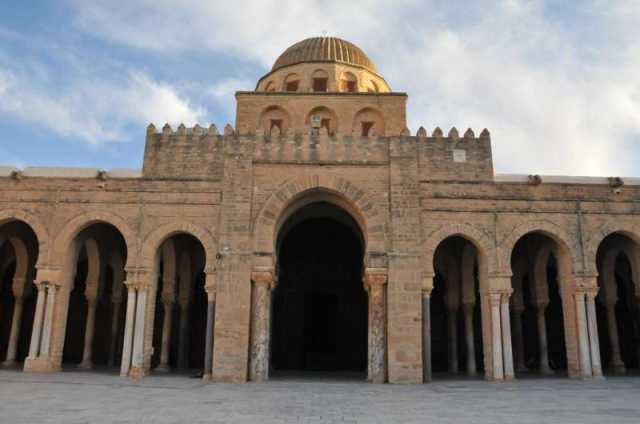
(324, 49)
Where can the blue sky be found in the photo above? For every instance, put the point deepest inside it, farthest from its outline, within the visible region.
(556, 82)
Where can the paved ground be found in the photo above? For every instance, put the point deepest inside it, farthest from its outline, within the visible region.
(78, 397)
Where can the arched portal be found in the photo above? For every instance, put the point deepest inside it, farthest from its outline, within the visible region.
(617, 303)
(540, 263)
(320, 304)
(18, 256)
(180, 312)
(95, 294)
(456, 327)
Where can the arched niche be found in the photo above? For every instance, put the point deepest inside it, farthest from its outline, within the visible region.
(368, 121)
(322, 117)
(274, 116)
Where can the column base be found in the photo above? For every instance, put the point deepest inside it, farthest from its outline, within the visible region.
(136, 373)
(162, 368)
(546, 371)
(618, 368)
(40, 365)
(85, 365)
(10, 364)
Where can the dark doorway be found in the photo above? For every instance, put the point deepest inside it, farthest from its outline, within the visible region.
(320, 305)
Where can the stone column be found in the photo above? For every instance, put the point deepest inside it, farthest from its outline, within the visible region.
(583, 333)
(91, 294)
(167, 306)
(518, 340)
(376, 282)
(542, 339)
(137, 358)
(496, 335)
(507, 350)
(616, 361)
(183, 336)
(115, 325)
(15, 332)
(468, 308)
(210, 288)
(452, 335)
(127, 342)
(593, 333)
(426, 333)
(48, 320)
(36, 333)
(260, 325)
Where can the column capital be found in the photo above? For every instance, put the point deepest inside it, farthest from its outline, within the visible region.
(47, 274)
(427, 283)
(495, 298)
(264, 276)
(592, 293)
(375, 277)
(139, 279)
(210, 282)
(585, 282)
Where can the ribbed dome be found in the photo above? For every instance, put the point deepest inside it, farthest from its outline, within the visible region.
(324, 49)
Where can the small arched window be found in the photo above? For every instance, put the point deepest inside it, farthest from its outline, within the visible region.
(270, 86)
(348, 83)
(292, 82)
(320, 81)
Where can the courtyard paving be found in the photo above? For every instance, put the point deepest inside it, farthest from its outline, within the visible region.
(80, 397)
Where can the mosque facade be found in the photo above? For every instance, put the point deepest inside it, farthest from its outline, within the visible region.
(319, 235)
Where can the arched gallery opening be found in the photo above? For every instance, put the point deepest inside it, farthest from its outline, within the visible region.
(537, 319)
(180, 312)
(96, 298)
(320, 304)
(617, 304)
(456, 327)
(18, 256)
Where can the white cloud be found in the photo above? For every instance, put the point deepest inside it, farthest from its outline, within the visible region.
(95, 111)
(557, 83)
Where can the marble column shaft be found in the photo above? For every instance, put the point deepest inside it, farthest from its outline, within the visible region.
(183, 336)
(594, 341)
(167, 305)
(468, 309)
(452, 336)
(115, 326)
(36, 333)
(208, 347)
(426, 336)
(496, 332)
(16, 322)
(260, 326)
(583, 334)
(127, 342)
(88, 333)
(542, 339)
(518, 339)
(48, 320)
(137, 357)
(507, 350)
(377, 327)
(614, 342)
